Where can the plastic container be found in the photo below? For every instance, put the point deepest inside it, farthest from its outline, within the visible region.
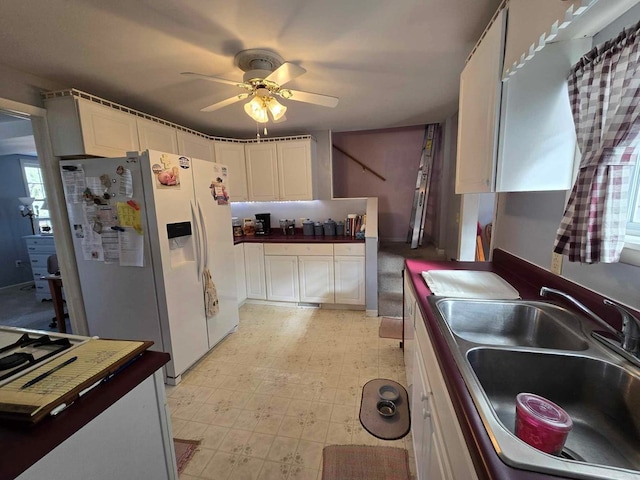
(307, 227)
(237, 227)
(541, 423)
(318, 230)
(330, 228)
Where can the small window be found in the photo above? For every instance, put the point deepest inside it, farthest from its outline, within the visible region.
(633, 225)
(34, 185)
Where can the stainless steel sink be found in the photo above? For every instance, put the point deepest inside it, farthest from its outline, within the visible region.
(602, 399)
(513, 323)
(505, 347)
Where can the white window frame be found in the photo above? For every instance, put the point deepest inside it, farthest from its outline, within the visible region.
(631, 251)
(39, 221)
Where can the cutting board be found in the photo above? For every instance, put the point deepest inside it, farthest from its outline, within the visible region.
(469, 284)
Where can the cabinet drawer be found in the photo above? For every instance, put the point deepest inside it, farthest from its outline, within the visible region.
(38, 245)
(298, 249)
(42, 287)
(353, 249)
(39, 261)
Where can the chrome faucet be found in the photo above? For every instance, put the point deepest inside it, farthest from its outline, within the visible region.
(629, 337)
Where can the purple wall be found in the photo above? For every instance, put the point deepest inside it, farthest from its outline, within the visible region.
(394, 154)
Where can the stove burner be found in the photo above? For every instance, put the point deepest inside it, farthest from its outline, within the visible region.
(14, 360)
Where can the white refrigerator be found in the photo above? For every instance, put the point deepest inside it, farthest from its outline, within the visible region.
(145, 229)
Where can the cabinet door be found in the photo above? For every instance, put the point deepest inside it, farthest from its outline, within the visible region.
(409, 339)
(241, 276)
(254, 271)
(107, 132)
(537, 134)
(262, 171)
(294, 170)
(156, 136)
(349, 280)
(194, 146)
(480, 88)
(232, 155)
(282, 278)
(316, 278)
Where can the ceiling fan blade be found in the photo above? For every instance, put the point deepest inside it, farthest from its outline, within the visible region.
(285, 73)
(308, 97)
(212, 78)
(224, 103)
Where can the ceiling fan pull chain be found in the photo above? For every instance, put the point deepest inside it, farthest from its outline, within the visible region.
(265, 131)
(258, 132)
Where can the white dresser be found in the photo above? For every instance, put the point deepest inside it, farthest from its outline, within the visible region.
(40, 247)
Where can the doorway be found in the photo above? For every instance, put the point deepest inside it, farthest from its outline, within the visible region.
(27, 240)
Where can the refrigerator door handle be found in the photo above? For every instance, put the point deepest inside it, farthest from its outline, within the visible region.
(205, 246)
(196, 227)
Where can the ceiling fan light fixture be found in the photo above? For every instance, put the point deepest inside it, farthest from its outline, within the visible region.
(276, 109)
(256, 109)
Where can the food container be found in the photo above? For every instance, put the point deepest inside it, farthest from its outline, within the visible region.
(330, 228)
(340, 229)
(541, 423)
(236, 223)
(318, 230)
(249, 228)
(307, 227)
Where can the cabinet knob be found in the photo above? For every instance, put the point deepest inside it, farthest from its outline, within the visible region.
(425, 413)
(424, 397)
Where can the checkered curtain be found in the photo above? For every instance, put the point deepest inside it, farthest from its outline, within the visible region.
(604, 89)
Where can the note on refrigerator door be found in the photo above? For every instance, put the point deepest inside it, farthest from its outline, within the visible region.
(111, 247)
(125, 185)
(219, 184)
(92, 246)
(131, 248)
(74, 183)
(129, 215)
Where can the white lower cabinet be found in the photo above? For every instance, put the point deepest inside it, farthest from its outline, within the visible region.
(241, 275)
(349, 280)
(439, 446)
(316, 279)
(431, 460)
(254, 270)
(282, 278)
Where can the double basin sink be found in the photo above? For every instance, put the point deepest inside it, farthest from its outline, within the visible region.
(503, 348)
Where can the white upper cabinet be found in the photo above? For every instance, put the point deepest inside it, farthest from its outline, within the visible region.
(157, 136)
(195, 146)
(280, 170)
(480, 89)
(231, 154)
(262, 171)
(294, 169)
(537, 143)
(81, 127)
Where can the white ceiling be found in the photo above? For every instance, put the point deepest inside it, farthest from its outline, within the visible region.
(391, 63)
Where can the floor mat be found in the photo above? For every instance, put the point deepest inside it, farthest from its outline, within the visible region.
(390, 328)
(185, 449)
(360, 462)
(387, 428)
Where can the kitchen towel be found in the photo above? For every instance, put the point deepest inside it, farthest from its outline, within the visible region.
(469, 284)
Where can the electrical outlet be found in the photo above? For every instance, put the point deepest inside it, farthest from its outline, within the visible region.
(18, 263)
(556, 263)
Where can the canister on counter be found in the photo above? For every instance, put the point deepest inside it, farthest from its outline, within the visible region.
(330, 228)
(318, 230)
(236, 223)
(307, 227)
(340, 229)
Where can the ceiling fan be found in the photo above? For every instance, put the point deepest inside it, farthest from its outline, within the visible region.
(265, 75)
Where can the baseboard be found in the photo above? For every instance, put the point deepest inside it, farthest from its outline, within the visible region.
(372, 313)
(15, 285)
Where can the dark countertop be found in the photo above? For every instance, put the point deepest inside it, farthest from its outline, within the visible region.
(277, 237)
(527, 279)
(24, 445)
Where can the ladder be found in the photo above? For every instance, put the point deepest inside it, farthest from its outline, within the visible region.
(421, 194)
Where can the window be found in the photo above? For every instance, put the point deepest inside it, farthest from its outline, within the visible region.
(34, 185)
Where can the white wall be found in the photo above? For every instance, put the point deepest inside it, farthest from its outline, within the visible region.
(316, 210)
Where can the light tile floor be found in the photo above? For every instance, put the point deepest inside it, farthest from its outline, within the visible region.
(267, 399)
